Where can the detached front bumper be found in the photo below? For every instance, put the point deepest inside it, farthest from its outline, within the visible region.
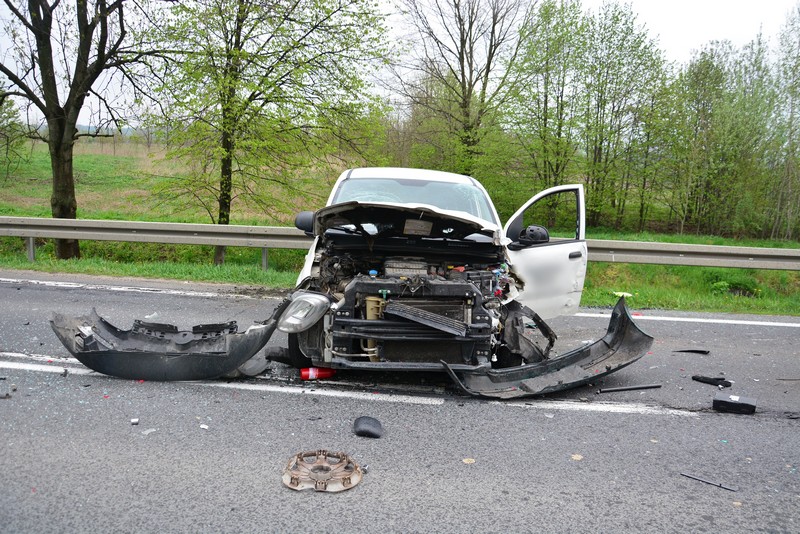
(623, 344)
(161, 352)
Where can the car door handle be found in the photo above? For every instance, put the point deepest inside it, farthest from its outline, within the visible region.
(575, 255)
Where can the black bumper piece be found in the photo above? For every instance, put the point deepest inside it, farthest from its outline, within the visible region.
(623, 344)
(159, 351)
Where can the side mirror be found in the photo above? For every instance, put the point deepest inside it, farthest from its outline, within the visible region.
(305, 221)
(534, 235)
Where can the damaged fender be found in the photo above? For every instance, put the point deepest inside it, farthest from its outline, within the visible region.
(623, 344)
(153, 351)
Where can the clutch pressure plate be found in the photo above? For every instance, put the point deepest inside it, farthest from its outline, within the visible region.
(322, 471)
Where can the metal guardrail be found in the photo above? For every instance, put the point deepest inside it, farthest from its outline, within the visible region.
(266, 237)
(694, 255)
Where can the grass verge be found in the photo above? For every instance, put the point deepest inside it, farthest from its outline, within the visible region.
(650, 286)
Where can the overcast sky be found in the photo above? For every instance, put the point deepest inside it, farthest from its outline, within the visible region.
(685, 25)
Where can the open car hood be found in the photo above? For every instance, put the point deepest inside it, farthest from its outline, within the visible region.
(391, 219)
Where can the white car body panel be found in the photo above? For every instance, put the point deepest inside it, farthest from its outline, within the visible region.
(552, 274)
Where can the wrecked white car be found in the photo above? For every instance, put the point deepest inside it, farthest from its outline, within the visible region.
(410, 270)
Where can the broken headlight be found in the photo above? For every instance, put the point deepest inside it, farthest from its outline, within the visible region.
(304, 311)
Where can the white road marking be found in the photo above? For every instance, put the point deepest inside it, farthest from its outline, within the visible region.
(43, 368)
(693, 320)
(606, 407)
(40, 358)
(359, 395)
(211, 294)
(127, 289)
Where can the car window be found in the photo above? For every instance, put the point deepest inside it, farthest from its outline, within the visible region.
(443, 195)
(557, 213)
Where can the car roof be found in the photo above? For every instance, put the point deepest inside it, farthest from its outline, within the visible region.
(408, 174)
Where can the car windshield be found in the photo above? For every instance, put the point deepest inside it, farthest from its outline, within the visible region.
(443, 195)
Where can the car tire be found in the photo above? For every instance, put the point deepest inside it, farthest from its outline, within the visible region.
(296, 356)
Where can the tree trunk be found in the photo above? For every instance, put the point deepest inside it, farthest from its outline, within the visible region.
(225, 190)
(63, 203)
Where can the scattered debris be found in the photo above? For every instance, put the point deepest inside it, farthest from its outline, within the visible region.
(65, 372)
(468, 461)
(322, 471)
(792, 415)
(13, 387)
(204, 426)
(629, 388)
(367, 427)
(717, 484)
(788, 379)
(577, 457)
(717, 381)
(6, 395)
(254, 366)
(724, 402)
(148, 431)
(3, 377)
(316, 373)
(694, 351)
(135, 421)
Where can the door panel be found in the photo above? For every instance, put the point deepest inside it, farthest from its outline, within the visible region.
(552, 270)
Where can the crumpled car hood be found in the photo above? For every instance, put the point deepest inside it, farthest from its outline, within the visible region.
(388, 219)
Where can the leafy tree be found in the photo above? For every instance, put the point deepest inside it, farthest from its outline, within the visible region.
(464, 48)
(544, 109)
(260, 87)
(12, 136)
(61, 56)
(620, 64)
(785, 209)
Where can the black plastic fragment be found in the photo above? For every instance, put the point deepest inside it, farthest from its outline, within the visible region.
(709, 482)
(718, 381)
(367, 427)
(694, 351)
(629, 388)
(725, 402)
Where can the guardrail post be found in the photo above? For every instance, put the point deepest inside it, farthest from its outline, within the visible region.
(264, 258)
(30, 244)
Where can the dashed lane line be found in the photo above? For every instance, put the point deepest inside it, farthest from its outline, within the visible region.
(638, 318)
(605, 407)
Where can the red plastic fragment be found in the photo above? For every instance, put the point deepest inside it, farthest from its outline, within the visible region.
(316, 373)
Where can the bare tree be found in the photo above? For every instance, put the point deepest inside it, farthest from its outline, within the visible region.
(61, 55)
(466, 48)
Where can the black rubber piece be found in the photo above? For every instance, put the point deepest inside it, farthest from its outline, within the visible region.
(367, 427)
(714, 381)
(725, 402)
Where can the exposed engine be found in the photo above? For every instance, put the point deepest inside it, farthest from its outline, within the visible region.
(413, 310)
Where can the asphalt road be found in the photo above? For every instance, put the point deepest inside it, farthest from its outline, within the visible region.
(209, 456)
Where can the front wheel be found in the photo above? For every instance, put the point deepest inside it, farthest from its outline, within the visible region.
(296, 356)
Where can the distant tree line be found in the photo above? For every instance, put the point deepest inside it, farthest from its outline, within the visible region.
(256, 98)
(708, 147)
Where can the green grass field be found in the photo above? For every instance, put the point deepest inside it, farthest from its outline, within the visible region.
(122, 182)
